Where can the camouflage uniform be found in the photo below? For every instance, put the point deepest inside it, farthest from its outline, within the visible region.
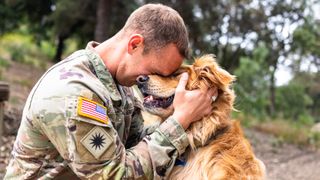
(56, 141)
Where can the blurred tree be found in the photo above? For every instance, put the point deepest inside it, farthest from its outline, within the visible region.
(73, 19)
(306, 44)
(104, 8)
(89, 20)
(311, 84)
(293, 101)
(251, 86)
(32, 13)
(306, 61)
(7, 15)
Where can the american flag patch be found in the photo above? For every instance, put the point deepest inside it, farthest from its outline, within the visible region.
(93, 110)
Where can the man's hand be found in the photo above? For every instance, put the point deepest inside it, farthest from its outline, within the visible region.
(190, 106)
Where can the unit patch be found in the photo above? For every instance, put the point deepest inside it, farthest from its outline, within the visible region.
(97, 141)
(92, 110)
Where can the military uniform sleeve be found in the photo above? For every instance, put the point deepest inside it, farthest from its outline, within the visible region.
(94, 150)
(137, 129)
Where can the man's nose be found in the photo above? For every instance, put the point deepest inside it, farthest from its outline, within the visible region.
(141, 80)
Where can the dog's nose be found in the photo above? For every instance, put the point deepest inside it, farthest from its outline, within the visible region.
(142, 79)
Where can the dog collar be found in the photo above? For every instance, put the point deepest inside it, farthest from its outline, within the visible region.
(180, 162)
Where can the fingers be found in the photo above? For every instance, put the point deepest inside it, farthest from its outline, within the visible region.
(213, 92)
(182, 82)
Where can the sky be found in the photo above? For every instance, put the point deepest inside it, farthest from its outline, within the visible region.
(283, 74)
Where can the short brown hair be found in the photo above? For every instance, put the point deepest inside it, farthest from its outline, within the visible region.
(159, 25)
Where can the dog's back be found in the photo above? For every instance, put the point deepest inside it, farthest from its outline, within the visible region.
(227, 156)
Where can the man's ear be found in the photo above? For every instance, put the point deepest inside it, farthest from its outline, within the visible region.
(135, 41)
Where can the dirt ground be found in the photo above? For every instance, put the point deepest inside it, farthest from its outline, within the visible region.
(283, 161)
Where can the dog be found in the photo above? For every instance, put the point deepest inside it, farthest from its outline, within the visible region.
(218, 149)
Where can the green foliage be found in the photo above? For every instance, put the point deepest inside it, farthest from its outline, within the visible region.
(21, 48)
(32, 13)
(3, 62)
(314, 139)
(292, 101)
(306, 39)
(47, 49)
(3, 65)
(311, 83)
(71, 46)
(306, 119)
(251, 86)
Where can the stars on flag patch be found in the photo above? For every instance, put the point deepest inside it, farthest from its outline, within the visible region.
(96, 141)
(92, 110)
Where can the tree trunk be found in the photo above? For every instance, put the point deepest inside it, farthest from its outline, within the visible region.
(60, 47)
(103, 19)
(274, 64)
(272, 94)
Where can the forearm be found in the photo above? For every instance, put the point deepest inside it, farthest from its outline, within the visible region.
(151, 158)
(137, 130)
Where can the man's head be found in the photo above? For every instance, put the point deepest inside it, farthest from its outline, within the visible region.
(154, 40)
(159, 26)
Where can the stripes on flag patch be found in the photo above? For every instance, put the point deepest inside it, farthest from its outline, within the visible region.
(93, 110)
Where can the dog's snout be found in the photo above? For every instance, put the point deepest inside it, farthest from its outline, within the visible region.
(142, 79)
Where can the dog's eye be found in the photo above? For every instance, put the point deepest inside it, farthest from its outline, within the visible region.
(176, 74)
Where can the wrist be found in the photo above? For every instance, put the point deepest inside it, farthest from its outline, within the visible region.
(181, 119)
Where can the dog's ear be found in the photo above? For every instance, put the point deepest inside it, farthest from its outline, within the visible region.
(224, 77)
(209, 70)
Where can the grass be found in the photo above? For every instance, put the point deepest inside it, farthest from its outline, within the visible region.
(14, 100)
(24, 82)
(285, 130)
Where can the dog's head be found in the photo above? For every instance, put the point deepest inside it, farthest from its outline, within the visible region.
(205, 73)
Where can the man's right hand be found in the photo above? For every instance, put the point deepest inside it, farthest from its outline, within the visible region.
(190, 106)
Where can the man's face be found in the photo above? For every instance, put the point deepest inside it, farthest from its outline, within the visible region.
(161, 62)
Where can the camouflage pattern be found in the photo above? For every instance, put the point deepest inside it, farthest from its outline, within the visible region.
(48, 143)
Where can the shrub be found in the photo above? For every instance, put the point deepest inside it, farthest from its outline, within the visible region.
(22, 48)
(292, 102)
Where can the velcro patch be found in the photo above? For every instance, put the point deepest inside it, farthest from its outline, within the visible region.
(97, 141)
(92, 110)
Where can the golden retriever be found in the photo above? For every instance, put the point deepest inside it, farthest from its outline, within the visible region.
(218, 149)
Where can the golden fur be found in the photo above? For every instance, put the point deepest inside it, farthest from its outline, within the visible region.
(218, 149)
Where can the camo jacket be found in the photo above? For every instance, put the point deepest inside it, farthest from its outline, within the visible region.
(78, 123)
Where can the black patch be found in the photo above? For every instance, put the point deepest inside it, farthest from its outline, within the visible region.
(171, 153)
(161, 170)
(97, 141)
(72, 128)
(148, 137)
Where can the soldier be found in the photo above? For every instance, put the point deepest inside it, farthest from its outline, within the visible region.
(82, 121)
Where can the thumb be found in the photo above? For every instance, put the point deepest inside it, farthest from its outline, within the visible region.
(182, 82)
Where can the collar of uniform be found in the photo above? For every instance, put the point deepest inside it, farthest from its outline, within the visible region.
(102, 72)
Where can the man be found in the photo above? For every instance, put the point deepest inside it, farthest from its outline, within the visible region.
(81, 121)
